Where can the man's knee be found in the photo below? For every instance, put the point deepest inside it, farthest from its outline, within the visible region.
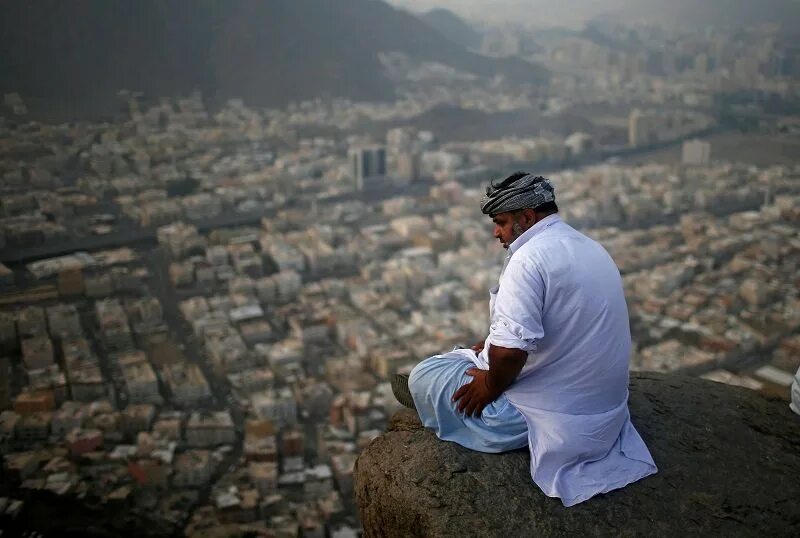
(415, 377)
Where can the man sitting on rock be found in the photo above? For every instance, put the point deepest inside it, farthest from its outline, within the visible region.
(553, 371)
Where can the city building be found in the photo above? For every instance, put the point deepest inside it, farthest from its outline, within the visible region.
(192, 469)
(209, 429)
(277, 406)
(367, 162)
(5, 383)
(140, 379)
(696, 152)
(187, 384)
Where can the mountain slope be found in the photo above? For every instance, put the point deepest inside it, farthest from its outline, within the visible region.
(452, 27)
(575, 13)
(266, 51)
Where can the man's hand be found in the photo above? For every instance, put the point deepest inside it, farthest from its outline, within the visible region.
(475, 395)
(505, 364)
(477, 348)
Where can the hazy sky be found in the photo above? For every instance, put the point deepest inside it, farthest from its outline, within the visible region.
(536, 12)
(574, 13)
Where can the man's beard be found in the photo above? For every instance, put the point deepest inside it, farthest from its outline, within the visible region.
(516, 231)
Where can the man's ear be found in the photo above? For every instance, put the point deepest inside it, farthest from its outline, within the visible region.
(529, 216)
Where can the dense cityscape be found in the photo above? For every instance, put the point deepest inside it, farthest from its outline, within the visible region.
(201, 307)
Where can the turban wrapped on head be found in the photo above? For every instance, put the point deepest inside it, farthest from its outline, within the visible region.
(515, 193)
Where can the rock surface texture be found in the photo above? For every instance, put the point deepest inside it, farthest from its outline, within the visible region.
(728, 458)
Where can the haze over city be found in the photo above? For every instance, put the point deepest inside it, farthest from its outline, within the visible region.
(225, 225)
(576, 13)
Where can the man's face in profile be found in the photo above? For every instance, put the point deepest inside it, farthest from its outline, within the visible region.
(510, 225)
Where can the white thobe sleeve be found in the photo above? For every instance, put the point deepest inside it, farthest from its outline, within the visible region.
(517, 318)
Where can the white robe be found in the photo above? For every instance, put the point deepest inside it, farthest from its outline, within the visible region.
(560, 298)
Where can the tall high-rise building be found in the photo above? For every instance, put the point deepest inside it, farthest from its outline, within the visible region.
(406, 166)
(696, 152)
(367, 162)
(644, 128)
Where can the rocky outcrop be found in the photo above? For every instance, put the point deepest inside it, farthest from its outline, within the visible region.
(729, 465)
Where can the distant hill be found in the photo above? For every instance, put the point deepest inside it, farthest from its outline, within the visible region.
(77, 54)
(453, 27)
(719, 13)
(575, 13)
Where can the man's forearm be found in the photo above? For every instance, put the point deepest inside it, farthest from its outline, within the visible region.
(505, 365)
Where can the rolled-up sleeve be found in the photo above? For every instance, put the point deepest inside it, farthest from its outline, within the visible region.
(517, 318)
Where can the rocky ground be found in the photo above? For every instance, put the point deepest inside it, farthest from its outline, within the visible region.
(728, 465)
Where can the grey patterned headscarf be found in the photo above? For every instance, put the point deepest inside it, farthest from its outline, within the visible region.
(529, 191)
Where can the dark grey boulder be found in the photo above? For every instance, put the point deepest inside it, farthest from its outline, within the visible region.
(729, 465)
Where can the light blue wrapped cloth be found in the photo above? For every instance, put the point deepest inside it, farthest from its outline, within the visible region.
(500, 427)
